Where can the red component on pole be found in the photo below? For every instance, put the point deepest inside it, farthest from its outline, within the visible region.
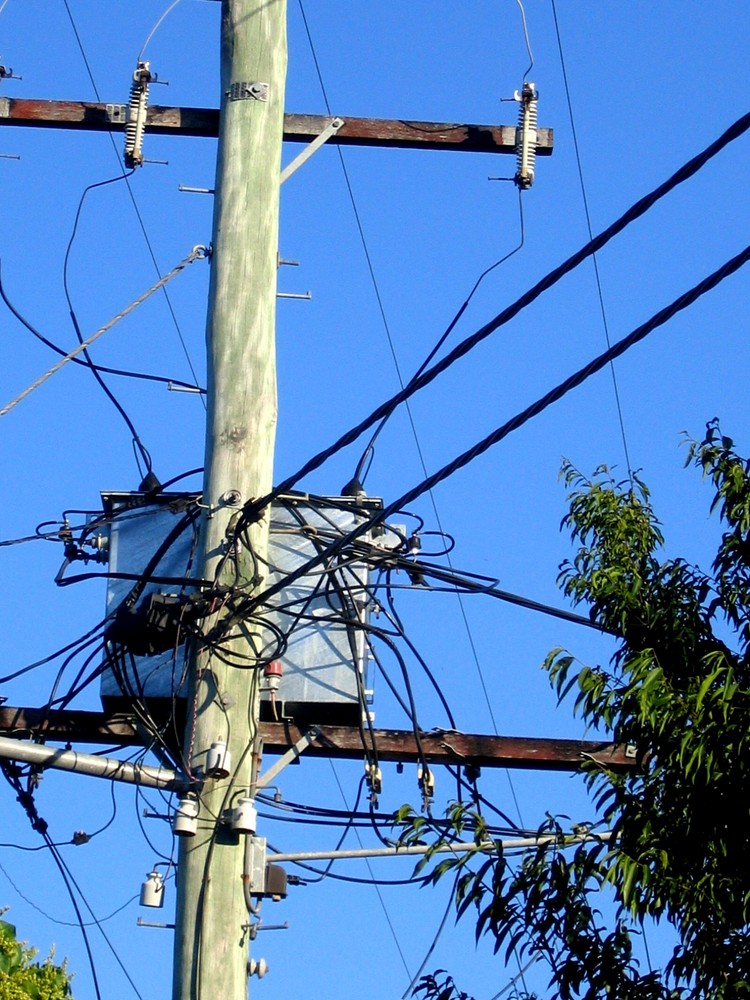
(272, 673)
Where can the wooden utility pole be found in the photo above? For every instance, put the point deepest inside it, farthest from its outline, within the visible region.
(211, 935)
(211, 924)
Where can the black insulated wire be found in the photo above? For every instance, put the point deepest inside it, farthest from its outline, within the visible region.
(684, 173)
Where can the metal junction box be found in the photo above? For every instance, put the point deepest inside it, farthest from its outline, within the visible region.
(325, 657)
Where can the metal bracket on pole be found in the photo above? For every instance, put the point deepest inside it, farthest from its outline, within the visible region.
(248, 90)
(293, 754)
(328, 132)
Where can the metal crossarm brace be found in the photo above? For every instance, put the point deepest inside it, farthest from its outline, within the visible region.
(330, 130)
(292, 755)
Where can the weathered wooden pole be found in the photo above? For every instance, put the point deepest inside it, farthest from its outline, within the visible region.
(211, 940)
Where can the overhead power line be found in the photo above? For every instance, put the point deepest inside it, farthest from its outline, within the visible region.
(573, 381)
(689, 169)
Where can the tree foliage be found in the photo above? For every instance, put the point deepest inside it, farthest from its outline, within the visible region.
(21, 977)
(677, 690)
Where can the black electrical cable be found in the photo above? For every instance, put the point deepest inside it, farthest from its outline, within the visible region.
(124, 373)
(137, 443)
(682, 174)
(182, 475)
(360, 476)
(466, 585)
(393, 616)
(53, 656)
(573, 381)
(348, 826)
(40, 826)
(570, 383)
(134, 203)
(418, 880)
(411, 988)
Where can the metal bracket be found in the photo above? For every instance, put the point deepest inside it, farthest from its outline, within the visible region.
(328, 132)
(248, 91)
(117, 114)
(293, 754)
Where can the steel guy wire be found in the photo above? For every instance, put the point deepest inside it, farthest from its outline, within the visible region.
(197, 253)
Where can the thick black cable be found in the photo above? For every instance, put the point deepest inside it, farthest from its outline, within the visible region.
(80, 642)
(573, 381)
(553, 396)
(686, 171)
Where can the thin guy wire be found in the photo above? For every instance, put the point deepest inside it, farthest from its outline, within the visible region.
(374, 883)
(594, 259)
(515, 979)
(420, 453)
(136, 209)
(84, 345)
(410, 989)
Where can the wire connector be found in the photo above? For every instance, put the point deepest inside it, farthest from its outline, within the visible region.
(426, 781)
(526, 136)
(374, 779)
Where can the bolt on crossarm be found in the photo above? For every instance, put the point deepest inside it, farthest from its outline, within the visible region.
(210, 938)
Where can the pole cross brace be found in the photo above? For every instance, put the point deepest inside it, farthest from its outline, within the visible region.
(312, 147)
(293, 754)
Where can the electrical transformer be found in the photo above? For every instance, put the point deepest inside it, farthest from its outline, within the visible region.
(314, 630)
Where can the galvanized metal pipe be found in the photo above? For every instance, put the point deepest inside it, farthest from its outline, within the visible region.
(458, 847)
(90, 764)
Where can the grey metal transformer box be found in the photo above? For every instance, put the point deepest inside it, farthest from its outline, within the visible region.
(318, 622)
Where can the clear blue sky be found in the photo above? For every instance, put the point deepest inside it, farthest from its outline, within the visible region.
(651, 85)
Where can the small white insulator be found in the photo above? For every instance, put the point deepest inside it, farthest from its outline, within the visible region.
(185, 821)
(257, 967)
(245, 816)
(526, 136)
(218, 761)
(152, 890)
(135, 125)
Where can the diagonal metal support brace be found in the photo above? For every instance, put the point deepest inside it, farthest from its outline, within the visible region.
(312, 147)
(292, 755)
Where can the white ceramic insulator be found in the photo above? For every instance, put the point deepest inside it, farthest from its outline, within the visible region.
(152, 890)
(218, 761)
(245, 816)
(185, 822)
